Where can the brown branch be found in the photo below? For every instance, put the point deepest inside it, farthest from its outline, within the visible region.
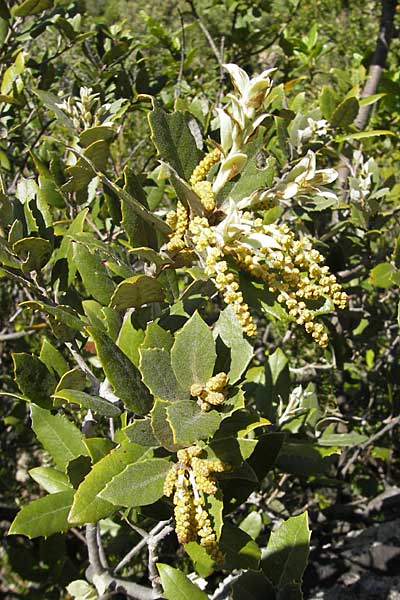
(386, 31)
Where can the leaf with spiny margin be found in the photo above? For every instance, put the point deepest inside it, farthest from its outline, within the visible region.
(177, 586)
(173, 139)
(33, 378)
(88, 507)
(94, 274)
(122, 374)
(157, 373)
(157, 337)
(140, 432)
(58, 436)
(189, 423)
(136, 291)
(193, 354)
(161, 427)
(241, 552)
(139, 484)
(96, 403)
(44, 516)
(231, 333)
(50, 479)
(286, 555)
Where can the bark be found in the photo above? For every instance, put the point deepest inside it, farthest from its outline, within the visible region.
(386, 32)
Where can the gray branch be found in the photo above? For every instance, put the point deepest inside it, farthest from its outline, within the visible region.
(101, 578)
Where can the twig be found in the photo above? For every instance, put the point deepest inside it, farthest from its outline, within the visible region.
(388, 427)
(182, 61)
(101, 577)
(223, 590)
(153, 558)
(4, 337)
(81, 363)
(137, 548)
(204, 29)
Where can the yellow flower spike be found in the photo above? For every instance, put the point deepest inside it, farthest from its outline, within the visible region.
(204, 191)
(202, 169)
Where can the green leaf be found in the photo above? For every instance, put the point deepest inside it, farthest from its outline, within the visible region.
(96, 134)
(342, 439)
(327, 102)
(193, 354)
(202, 562)
(98, 448)
(44, 516)
(52, 358)
(252, 524)
(360, 135)
(88, 507)
(138, 484)
(33, 378)
(231, 333)
(75, 379)
(34, 252)
(140, 432)
(253, 585)
(189, 423)
(241, 552)
(122, 374)
(345, 113)
(157, 373)
(277, 363)
(136, 291)
(381, 275)
(50, 479)
(58, 436)
(48, 192)
(174, 141)
(157, 337)
(129, 339)
(161, 426)
(51, 101)
(61, 314)
(94, 274)
(287, 551)
(31, 7)
(177, 586)
(304, 458)
(95, 403)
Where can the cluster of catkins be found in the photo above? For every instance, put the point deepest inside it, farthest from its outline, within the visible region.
(189, 480)
(290, 267)
(212, 393)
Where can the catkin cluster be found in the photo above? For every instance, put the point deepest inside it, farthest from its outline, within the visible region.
(291, 268)
(188, 480)
(211, 394)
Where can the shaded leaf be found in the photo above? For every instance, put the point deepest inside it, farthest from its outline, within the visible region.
(231, 333)
(94, 274)
(136, 291)
(33, 378)
(161, 426)
(287, 551)
(122, 374)
(345, 113)
(141, 432)
(95, 403)
(241, 552)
